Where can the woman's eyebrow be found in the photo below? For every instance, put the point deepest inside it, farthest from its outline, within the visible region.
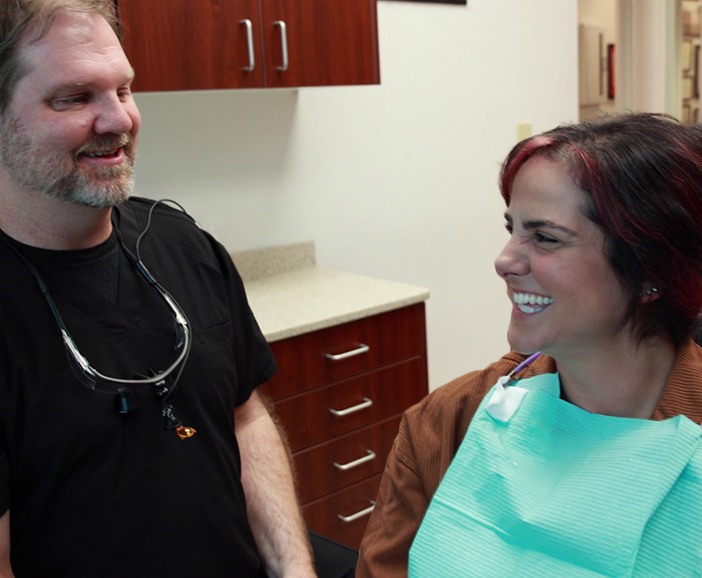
(541, 223)
(545, 223)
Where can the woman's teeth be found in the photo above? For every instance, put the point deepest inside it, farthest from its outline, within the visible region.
(530, 303)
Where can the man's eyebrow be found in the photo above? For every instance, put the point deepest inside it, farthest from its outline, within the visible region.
(71, 86)
(82, 85)
(541, 224)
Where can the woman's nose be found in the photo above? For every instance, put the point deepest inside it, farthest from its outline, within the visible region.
(511, 260)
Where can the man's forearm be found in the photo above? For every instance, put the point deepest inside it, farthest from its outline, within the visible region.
(5, 567)
(272, 505)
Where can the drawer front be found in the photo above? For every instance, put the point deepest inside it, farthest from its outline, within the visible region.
(309, 361)
(328, 467)
(343, 516)
(349, 405)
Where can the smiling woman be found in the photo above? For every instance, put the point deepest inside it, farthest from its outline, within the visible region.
(566, 294)
(528, 463)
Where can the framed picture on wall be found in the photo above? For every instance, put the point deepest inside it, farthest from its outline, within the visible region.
(696, 72)
(690, 22)
(687, 88)
(465, 2)
(610, 72)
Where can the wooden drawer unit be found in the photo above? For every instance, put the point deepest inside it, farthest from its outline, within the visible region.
(344, 514)
(340, 393)
(345, 460)
(333, 410)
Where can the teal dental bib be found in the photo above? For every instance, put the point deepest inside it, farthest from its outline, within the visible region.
(540, 487)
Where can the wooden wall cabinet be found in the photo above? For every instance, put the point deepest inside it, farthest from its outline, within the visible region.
(340, 393)
(220, 44)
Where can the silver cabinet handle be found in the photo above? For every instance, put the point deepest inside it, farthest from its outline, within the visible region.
(283, 43)
(362, 348)
(353, 409)
(370, 455)
(249, 43)
(353, 517)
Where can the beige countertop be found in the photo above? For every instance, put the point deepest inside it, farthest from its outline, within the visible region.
(290, 295)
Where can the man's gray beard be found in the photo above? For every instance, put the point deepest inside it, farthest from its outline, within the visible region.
(78, 190)
(107, 187)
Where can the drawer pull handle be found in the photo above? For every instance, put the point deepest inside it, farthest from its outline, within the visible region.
(362, 348)
(353, 409)
(360, 514)
(370, 456)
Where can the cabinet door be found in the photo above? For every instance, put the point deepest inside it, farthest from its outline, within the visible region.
(189, 45)
(320, 42)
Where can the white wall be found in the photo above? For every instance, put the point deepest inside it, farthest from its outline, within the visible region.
(652, 76)
(397, 180)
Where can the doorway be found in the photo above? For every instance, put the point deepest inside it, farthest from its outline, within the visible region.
(651, 55)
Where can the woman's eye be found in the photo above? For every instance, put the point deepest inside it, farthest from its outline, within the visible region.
(544, 240)
(509, 228)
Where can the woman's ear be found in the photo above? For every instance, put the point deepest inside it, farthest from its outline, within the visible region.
(649, 294)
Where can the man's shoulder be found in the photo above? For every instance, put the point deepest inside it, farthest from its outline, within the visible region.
(162, 219)
(142, 208)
